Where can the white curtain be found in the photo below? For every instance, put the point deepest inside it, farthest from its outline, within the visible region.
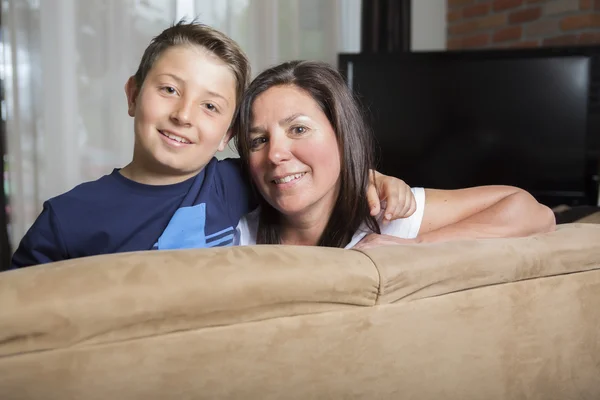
(64, 64)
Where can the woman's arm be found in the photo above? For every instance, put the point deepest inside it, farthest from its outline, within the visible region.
(482, 212)
(479, 212)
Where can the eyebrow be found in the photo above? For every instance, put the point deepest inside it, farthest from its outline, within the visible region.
(284, 121)
(215, 94)
(290, 119)
(178, 79)
(210, 92)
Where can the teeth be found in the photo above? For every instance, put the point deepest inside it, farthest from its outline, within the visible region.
(174, 137)
(289, 178)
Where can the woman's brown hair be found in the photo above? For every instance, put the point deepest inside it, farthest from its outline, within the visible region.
(327, 88)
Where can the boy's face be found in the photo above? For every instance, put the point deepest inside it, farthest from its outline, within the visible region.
(182, 112)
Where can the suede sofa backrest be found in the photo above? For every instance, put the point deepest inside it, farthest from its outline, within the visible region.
(126, 296)
(414, 272)
(117, 297)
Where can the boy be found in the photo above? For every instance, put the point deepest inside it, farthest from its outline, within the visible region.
(174, 194)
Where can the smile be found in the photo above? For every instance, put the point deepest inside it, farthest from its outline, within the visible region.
(175, 137)
(288, 178)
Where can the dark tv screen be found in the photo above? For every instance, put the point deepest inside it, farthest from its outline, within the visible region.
(452, 122)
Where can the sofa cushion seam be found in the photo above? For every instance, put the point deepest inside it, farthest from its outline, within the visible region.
(379, 290)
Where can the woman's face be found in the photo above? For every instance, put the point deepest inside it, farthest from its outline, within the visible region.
(294, 155)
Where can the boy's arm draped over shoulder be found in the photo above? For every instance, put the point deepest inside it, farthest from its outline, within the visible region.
(42, 243)
(394, 193)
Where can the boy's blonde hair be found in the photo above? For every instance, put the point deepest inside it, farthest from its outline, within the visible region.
(196, 34)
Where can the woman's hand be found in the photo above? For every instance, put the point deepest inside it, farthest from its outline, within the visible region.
(391, 193)
(376, 240)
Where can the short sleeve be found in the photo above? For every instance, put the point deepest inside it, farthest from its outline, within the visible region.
(42, 243)
(405, 228)
(245, 232)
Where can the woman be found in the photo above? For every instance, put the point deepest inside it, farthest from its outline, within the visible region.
(303, 139)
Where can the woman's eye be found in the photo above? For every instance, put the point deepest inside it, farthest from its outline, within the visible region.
(299, 130)
(257, 142)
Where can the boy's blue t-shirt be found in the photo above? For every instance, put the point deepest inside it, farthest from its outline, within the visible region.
(114, 214)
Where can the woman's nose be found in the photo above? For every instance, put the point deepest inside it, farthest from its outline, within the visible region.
(279, 150)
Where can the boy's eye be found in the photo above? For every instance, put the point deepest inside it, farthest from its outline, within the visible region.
(169, 89)
(257, 142)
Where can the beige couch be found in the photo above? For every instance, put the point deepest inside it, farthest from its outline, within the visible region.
(488, 319)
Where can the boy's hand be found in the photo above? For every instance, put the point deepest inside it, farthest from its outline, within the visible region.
(396, 195)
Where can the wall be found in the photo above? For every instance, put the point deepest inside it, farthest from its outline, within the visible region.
(475, 24)
(428, 25)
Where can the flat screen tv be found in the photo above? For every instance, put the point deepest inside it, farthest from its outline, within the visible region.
(529, 118)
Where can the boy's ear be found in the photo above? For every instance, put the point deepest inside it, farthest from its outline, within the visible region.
(225, 140)
(131, 91)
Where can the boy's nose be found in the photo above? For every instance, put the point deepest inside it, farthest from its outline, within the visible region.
(181, 115)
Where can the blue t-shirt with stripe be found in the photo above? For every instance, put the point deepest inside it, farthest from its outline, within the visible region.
(114, 214)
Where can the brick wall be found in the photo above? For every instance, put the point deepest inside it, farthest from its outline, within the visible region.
(477, 24)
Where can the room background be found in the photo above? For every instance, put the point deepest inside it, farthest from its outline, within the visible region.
(65, 63)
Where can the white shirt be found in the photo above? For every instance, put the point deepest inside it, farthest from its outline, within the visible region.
(405, 228)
